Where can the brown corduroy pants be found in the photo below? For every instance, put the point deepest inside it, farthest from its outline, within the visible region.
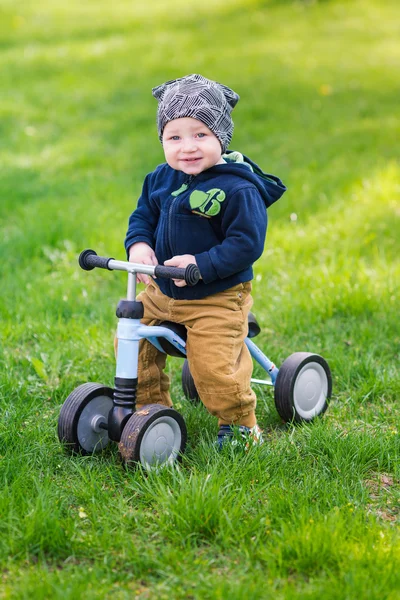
(219, 360)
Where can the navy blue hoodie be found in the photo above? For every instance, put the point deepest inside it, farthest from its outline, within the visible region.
(219, 216)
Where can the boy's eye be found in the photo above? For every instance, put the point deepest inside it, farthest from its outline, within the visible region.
(175, 137)
(201, 135)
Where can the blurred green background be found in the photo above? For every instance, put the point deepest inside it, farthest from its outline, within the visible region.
(319, 108)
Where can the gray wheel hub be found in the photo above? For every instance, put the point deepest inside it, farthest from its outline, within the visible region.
(161, 442)
(91, 436)
(310, 390)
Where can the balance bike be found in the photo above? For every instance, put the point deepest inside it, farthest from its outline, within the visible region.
(154, 436)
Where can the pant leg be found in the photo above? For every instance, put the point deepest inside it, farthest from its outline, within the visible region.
(219, 360)
(153, 382)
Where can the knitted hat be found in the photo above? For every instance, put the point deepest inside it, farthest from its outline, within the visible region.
(200, 98)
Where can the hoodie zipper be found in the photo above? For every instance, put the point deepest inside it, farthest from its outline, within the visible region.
(188, 182)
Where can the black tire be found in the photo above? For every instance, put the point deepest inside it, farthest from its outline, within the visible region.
(188, 386)
(80, 416)
(303, 387)
(153, 436)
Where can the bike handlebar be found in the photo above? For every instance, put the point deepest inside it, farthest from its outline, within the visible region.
(88, 260)
(190, 274)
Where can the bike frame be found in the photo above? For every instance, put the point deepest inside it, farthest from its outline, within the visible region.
(131, 331)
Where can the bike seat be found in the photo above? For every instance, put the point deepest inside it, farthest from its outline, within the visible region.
(254, 328)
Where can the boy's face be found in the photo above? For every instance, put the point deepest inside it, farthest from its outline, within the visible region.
(189, 146)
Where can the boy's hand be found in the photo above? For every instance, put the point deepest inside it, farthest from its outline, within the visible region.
(181, 261)
(143, 254)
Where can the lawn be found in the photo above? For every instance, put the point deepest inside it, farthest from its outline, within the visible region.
(315, 512)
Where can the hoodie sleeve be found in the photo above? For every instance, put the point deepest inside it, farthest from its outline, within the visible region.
(143, 221)
(244, 226)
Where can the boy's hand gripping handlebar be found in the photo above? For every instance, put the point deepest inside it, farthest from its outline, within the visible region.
(88, 260)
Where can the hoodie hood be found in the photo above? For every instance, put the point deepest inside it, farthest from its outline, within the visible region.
(270, 187)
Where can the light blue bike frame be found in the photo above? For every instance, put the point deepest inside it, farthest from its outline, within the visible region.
(131, 331)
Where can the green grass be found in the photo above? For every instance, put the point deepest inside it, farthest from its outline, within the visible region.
(314, 513)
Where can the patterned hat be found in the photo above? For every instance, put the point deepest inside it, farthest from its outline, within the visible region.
(200, 98)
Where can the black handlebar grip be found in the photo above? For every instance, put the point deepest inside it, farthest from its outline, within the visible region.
(88, 260)
(169, 272)
(191, 274)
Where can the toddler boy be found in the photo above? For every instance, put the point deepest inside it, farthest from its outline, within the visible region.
(204, 205)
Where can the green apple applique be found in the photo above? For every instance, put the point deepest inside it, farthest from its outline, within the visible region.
(208, 203)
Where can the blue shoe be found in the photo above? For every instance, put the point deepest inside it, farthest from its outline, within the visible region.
(235, 434)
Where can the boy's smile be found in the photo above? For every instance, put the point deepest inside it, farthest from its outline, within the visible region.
(189, 146)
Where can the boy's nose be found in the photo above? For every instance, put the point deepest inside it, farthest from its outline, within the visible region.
(189, 145)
